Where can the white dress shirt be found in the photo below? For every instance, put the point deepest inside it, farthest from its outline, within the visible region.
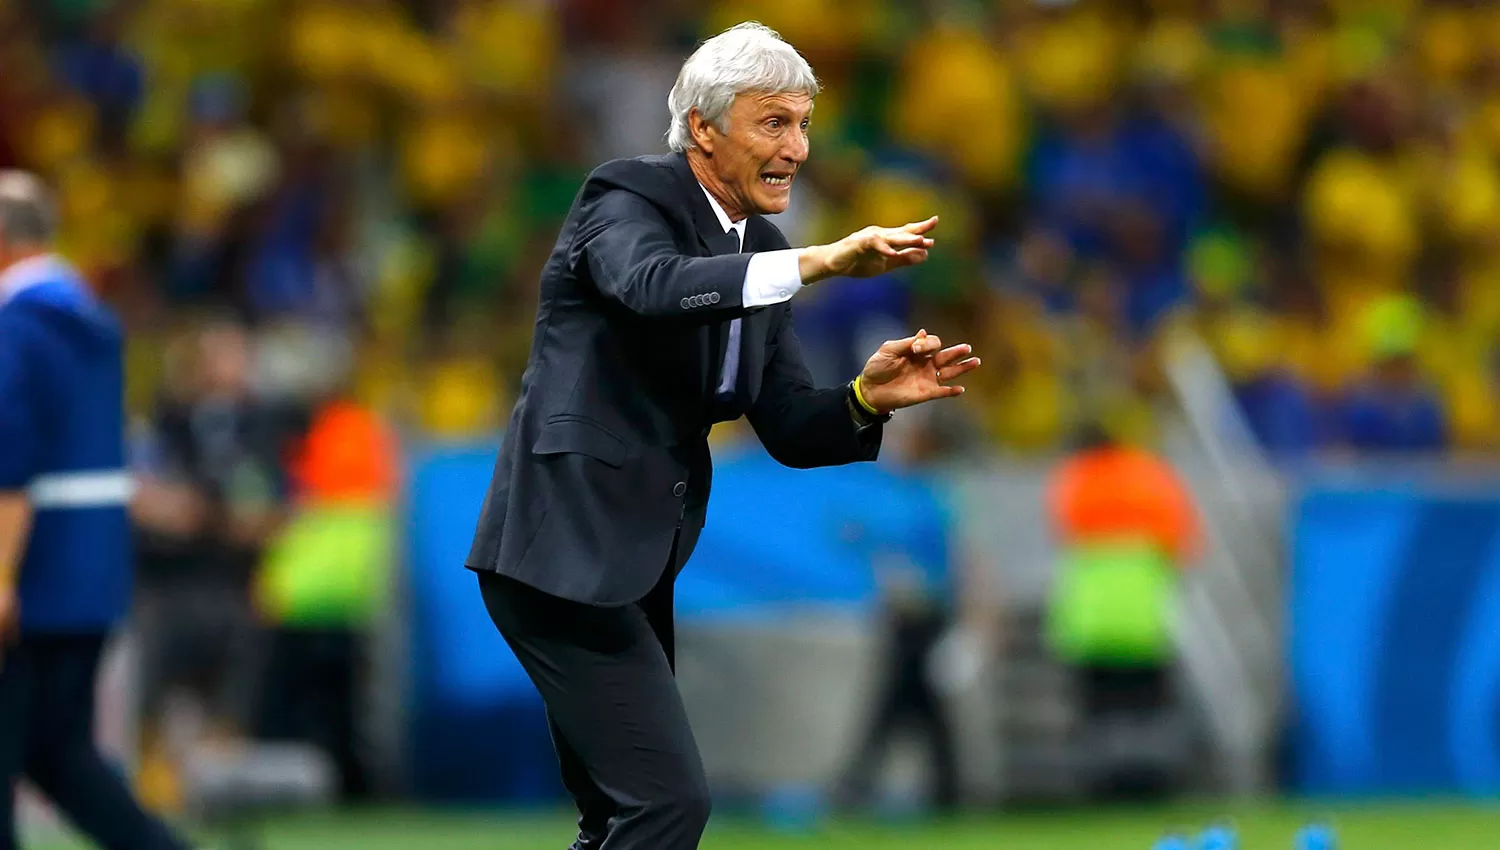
(773, 276)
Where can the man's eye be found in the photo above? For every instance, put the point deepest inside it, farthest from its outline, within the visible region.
(774, 123)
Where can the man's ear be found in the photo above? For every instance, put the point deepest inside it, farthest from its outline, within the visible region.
(703, 132)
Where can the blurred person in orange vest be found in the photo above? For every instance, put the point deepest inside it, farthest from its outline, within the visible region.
(1126, 527)
(323, 585)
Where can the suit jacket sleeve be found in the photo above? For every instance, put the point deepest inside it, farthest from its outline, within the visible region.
(634, 261)
(800, 425)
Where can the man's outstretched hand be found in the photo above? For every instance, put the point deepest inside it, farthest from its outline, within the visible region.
(909, 371)
(868, 252)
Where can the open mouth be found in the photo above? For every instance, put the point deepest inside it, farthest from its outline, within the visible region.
(776, 179)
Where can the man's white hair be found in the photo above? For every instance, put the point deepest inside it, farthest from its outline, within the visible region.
(26, 213)
(748, 57)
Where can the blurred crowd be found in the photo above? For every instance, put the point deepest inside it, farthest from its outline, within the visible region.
(321, 218)
(371, 185)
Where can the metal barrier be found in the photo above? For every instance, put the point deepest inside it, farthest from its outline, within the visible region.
(1231, 606)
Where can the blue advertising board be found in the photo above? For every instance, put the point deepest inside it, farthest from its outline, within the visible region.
(1394, 641)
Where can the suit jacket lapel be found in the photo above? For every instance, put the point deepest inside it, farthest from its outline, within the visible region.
(713, 338)
(759, 236)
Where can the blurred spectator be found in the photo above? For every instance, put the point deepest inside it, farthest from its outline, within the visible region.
(97, 66)
(843, 319)
(1280, 411)
(1126, 526)
(1044, 267)
(904, 526)
(1394, 408)
(229, 165)
(1106, 370)
(958, 98)
(219, 475)
(620, 81)
(323, 585)
(1360, 205)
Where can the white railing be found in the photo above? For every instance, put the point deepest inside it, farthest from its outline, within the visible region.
(1230, 612)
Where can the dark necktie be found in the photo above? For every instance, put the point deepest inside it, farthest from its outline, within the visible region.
(730, 373)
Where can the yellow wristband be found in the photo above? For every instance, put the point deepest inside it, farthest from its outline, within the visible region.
(859, 396)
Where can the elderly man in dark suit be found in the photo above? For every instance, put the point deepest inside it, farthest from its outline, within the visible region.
(664, 309)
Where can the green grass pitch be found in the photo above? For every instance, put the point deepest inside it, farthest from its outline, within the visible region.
(1262, 827)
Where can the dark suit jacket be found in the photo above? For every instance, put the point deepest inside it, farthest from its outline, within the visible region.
(606, 455)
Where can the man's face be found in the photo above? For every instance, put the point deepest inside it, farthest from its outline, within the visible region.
(224, 360)
(756, 161)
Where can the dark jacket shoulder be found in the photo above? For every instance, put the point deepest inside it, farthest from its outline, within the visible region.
(654, 178)
(666, 181)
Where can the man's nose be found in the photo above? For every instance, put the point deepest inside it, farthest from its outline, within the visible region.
(796, 148)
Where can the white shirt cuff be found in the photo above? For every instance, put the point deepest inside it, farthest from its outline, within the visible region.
(772, 277)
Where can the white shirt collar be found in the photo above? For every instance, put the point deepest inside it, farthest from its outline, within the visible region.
(30, 272)
(724, 222)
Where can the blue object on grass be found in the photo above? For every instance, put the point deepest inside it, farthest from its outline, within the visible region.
(792, 808)
(1172, 842)
(1316, 836)
(1218, 837)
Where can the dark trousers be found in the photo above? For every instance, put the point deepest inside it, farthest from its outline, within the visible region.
(311, 695)
(627, 754)
(200, 637)
(1129, 697)
(47, 735)
(1132, 691)
(906, 699)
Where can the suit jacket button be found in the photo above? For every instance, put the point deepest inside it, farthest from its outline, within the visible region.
(713, 297)
(683, 303)
(680, 489)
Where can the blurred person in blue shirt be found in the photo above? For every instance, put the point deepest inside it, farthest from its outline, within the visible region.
(1395, 410)
(838, 323)
(1279, 409)
(97, 65)
(1281, 413)
(901, 521)
(1154, 280)
(65, 547)
(1093, 166)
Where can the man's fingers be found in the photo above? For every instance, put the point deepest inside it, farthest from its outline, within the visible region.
(951, 354)
(921, 226)
(902, 239)
(901, 346)
(926, 344)
(911, 256)
(945, 391)
(948, 373)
